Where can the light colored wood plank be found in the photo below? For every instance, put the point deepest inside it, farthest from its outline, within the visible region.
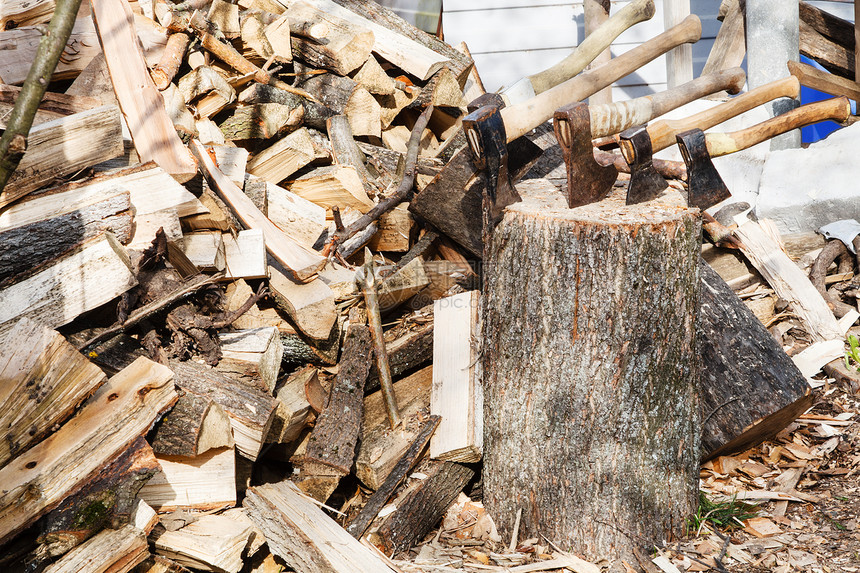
(109, 551)
(44, 379)
(82, 279)
(147, 225)
(203, 482)
(457, 395)
(293, 411)
(245, 255)
(679, 60)
(253, 355)
(121, 410)
(211, 543)
(335, 185)
(232, 161)
(301, 219)
(284, 157)
(310, 305)
(205, 249)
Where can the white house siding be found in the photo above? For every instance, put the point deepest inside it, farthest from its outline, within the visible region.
(510, 39)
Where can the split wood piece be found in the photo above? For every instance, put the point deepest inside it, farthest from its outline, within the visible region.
(404, 465)
(278, 36)
(420, 506)
(255, 43)
(144, 517)
(444, 275)
(195, 425)
(159, 564)
(629, 365)
(395, 231)
(23, 41)
(64, 146)
(204, 249)
(232, 161)
(300, 349)
(836, 58)
(346, 152)
(299, 218)
(257, 539)
(44, 379)
(252, 356)
(381, 448)
(250, 411)
(315, 112)
(225, 16)
(53, 105)
(294, 412)
(245, 255)
(261, 121)
(237, 294)
(729, 48)
(207, 90)
(171, 59)
(285, 156)
(304, 536)
(402, 285)
(749, 388)
(406, 353)
(341, 280)
(107, 500)
(325, 40)
(211, 543)
(151, 128)
(309, 305)
(114, 550)
(183, 120)
(443, 90)
(789, 282)
(457, 392)
(346, 97)
(203, 482)
(392, 105)
(218, 217)
(17, 13)
(822, 81)
(397, 139)
(388, 165)
(81, 279)
(146, 227)
(333, 186)
(302, 262)
(121, 410)
(473, 86)
(373, 78)
(94, 80)
(332, 444)
(38, 229)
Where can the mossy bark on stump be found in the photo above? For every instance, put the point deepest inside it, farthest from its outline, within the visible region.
(591, 415)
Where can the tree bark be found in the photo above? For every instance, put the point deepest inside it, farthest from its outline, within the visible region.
(591, 415)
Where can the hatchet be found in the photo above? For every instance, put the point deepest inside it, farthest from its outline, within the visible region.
(445, 202)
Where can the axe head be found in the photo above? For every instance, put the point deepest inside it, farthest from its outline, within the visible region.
(645, 182)
(485, 133)
(705, 187)
(587, 180)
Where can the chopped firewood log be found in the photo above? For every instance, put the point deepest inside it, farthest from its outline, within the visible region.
(315, 113)
(286, 156)
(81, 279)
(195, 425)
(346, 97)
(255, 45)
(226, 17)
(245, 255)
(304, 536)
(341, 280)
(300, 349)
(252, 356)
(373, 78)
(406, 352)
(64, 146)
(250, 410)
(237, 294)
(143, 516)
(457, 396)
(389, 164)
(374, 504)
(277, 34)
(393, 104)
(23, 41)
(257, 190)
(205, 249)
(294, 412)
(324, 40)
(204, 82)
(114, 550)
(211, 543)
(160, 564)
(208, 132)
(107, 500)
(331, 446)
(121, 410)
(299, 218)
(257, 540)
(402, 285)
(151, 128)
(333, 186)
(309, 305)
(346, 152)
(94, 80)
(218, 217)
(420, 506)
(43, 227)
(381, 447)
(177, 111)
(203, 482)
(443, 90)
(53, 105)
(148, 225)
(261, 121)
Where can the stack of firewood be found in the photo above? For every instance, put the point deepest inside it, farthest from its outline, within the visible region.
(193, 316)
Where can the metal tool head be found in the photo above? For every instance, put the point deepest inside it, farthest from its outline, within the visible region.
(645, 182)
(705, 187)
(485, 132)
(490, 98)
(587, 180)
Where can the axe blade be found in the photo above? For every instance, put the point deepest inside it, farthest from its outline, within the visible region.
(587, 180)
(705, 187)
(645, 182)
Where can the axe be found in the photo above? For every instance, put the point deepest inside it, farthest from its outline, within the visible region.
(705, 186)
(639, 143)
(577, 124)
(445, 202)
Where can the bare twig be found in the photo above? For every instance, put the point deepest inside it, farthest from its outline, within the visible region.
(13, 144)
(171, 59)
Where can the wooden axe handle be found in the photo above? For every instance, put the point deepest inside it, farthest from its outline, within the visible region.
(612, 118)
(836, 109)
(521, 118)
(663, 132)
(591, 47)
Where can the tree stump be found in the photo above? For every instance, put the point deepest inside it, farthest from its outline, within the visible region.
(591, 415)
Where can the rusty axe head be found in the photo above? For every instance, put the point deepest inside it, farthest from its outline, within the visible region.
(645, 182)
(705, 187)
(587, 180)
